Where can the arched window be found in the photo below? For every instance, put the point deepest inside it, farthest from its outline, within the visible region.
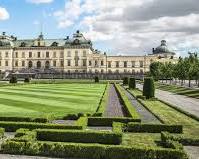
(38, 64)
(30, 64)
(47, 65)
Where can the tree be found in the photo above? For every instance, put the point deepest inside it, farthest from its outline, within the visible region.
(96, 79)
(13, 79)
(132, 83)
(155, 70)
(148, 88)
(125, 81)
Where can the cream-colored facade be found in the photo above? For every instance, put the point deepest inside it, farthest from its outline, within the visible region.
(74, 54)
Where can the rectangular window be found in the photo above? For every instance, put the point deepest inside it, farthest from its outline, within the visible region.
(102, 63)
(125, 64)
(84, 53)
(47, 54)
(6, 63)
(69, 62)
(84, 62)
(16, 54)
(16, 63)
(96, 63)
(76, 53)
(23, 54)
(141, 63)
(54, 55)
(54, 63)
(90, 63)
(30, 54)
(23, 63)
(61, 54)
(6, 54)
(109, 64)
(133, 63)
(62, 63)
(76, 62)
(38, 54)
(117, 64)
(69, 54)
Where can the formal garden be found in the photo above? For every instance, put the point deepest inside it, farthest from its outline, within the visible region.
(93, 119)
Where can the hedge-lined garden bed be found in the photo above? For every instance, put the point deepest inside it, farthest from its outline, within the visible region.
(24, 119)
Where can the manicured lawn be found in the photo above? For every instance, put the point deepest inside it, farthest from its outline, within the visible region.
(194, 93)
(37, 100)
(142, 139)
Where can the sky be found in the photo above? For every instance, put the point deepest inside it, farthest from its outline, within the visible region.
(118, 27)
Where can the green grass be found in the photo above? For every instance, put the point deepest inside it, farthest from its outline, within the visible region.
(172, 116)
(43, 100)
(194, 93)
(142, 139)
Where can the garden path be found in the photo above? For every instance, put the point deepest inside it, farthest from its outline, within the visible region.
(188, 104)
(192, 151)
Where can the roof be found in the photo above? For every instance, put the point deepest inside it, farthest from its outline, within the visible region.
(163, 48)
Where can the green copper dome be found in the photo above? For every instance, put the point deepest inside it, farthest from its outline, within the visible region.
(162, 48)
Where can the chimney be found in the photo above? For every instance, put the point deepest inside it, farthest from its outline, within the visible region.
(153, 50)
(67, 37)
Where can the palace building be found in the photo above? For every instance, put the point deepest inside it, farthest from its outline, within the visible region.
(71, 55)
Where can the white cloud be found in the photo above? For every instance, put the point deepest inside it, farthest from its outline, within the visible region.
(39, 1)
(4, 15)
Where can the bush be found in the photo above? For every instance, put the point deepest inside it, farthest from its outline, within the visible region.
(79, 136)
(24, 119)
(71, 117)
(13, 126)
(132, 83)
(153, 128)
(105, 121)
(13, 79)
(125, 81)
(96, 151)
(96, 79)
(82, 121)
(27, 80)
(148, 88)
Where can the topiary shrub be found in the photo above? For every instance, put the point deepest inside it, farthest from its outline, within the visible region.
(125, 81)
(132, 84)
(13, 79)
(96, 79)
(27, 80)
(148, 88)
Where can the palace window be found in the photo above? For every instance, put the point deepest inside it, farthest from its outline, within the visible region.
(125, 71)
(125, 64)
(96, 63)
(117, 71)
(23, 63)
(141, 71)
(133, 71)
(102, 71)
(23, 54)
(16, 63)
(109, 71)
(133, 63)
(38, 54)
(54, 63)
(102, 63)
(16, 54)
(47, 54)
(61, 54)
(30, 54)
(76, 62)
(54, 55)
(141, 63)
(117, 64)
(38, 64)
(61, 63)
(47, 64)
(109, 64)
(0, 63)
(84, 53)
(6, 54)
(90, 63)
(69, 54)
(6, 63)
(69, 62)
(84, 62)
(30, 64)
(76, 53)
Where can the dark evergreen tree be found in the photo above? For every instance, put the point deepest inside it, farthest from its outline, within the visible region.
(148, 88)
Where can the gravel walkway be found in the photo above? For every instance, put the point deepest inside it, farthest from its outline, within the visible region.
(64, 122)
(146, 116)
(192, 151)
(114, 108)
(188, 104)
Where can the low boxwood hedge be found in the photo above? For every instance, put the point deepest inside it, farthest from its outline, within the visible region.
(153, 128)
(24, 119)
(13, 126)
(82, 121)
(79, 136)
(128, 105)
(105, 121)
(96, 151)
(118, 127)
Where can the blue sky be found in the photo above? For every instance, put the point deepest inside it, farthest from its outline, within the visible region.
(130, 27)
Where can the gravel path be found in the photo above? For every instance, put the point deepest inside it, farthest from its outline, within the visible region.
(188, 104)
(192, 151)
(64, 122)
(114, 108)
(146, 116)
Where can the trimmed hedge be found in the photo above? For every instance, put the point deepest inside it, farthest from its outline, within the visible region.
(96, 151)
(148, 88)
(125, 81)
(103, 102)
(180, 138)
(82, 121)
(153, 128)
(24, 119)
(117, 127)
(132, 83)
(13, 126)
(2, 131)
(79, 136)
(96, 79)
(128, 105)
(105, 121)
